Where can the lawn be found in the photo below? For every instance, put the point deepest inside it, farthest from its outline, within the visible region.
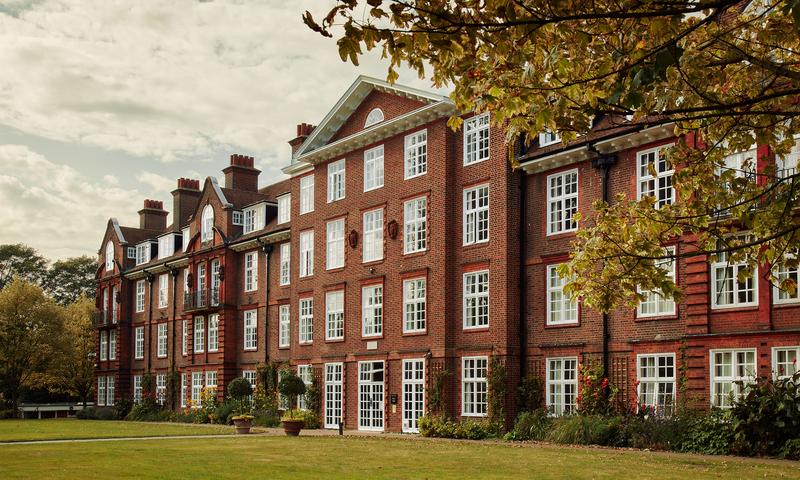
(62, 429)
(278, 457)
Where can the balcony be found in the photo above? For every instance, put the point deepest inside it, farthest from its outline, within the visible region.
(100, 318)
(206, 299)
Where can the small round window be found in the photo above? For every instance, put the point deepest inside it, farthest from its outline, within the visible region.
(375, 116)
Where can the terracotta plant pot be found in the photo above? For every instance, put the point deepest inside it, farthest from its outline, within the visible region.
(242, 426)
(292, 427)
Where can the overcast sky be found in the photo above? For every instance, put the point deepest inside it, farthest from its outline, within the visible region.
(106, 102)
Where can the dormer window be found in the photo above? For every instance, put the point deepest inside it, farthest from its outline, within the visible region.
(374, 116)
(131, 253)
(207, 226)
(237, 218)
(143, 253)
(186, 238)
(254, 218)
(548, 138)
(109, 256)
(167, 245)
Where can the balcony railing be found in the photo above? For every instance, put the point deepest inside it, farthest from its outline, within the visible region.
(201, 299)
(100, 317)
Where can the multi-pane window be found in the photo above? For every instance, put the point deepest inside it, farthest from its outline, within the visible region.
(307, 253)
(371, 404)
(476, 139)
(199, 334)
(112, 345)
(307, 194)
(306, 374)
(731, 370)
(335, 244)
(416, 225)
(132, 253)
(789, 273)
(336, 179)
(184, 337)
(254, 218)
(110, 390)
(207, 224)
(184, 386)
(250, 329)
(548, 138)
(250, 376)
(142, 253)
(373, 168)
(211, 382)
(185, 237)
(103, 346)
(413, 393)
(416, 154)
(474, 387)
(286, 263)
(284, 208)
(784, 361)
(476, 215)
(140, 296)
(114, 304)
(786, 165)
(562, 385)
(373, 235)
(138, 347)
(163, 290)
(236, 218)
(654, 303)
(476, 299)
(109, 256)
(414, 307)
(562, 202)
(215, 282)
(372, 310)
(333, 394)
(161, 388)
(161, 349)
(105, 306)
(656, 376)
(197, 388)
(201, 283)
(306, 330)
(655, 176)
(731, 287)
(334, 315)
(166, 246)
(561, 308)
(101, 390)
(137, 388)
(213, 332)
(283, 326)
(251, 271)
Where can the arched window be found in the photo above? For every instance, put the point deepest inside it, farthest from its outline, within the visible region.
(109, 256)
(374, 116)
(207, 227)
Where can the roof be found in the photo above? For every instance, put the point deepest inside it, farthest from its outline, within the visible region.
(137, 235)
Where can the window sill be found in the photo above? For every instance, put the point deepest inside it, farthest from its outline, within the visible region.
(417, 333)
(334, 340)
(305, 344)
(650, 318)
(471, 246)
(368, 338)
(475, 162)
(284, 347)
(247, 350)
(475, 329)
(560, 235)
(740, 308)
(372, 263)
(419, 253)
(335, 269)
(563, 325)
(793, 303)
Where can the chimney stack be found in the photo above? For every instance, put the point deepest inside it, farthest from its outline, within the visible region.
(303, 131)
(153, 216)
(184, 201)
(241, 174)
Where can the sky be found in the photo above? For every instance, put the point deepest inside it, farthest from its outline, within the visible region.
(104, 103)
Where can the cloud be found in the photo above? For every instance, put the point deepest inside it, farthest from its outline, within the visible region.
(156, 182)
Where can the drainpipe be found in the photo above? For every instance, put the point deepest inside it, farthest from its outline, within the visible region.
(523, 280)
(150, 279)
(174, 273)
(267, 249)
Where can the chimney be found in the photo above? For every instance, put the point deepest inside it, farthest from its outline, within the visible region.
(153, 216)
(303, 131)
(184, 201)
(241, 174)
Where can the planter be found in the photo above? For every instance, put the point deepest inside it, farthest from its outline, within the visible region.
(242, 425)
(292, 427)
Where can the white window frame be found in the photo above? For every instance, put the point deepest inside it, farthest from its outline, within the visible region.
(184, 388)
(137, 389)
(306, 374)
(476, 214)
(114, 304)
(166, 246)
(185, 237)
(161, 388)
(132, 253)
(237, 218)
(251, 271)
(286, 264)
(199, 327)
(663, 306)
(101, 391)
(250, 330)
(474, 387)
(568, 310)
(372, 310)
(782, 297)
(476, 132)
(140, 296)
(562, 204)
(306, 194)
(415, 305)
(197, 388)
(721, 264)
(780, 372)
(374, 116)
(334, 376)
(649, 185)
(373, 168)
(163, 290)
(110, 390)
(284, 208)
(413, 393)
(207, 224)
(415, 154)
(306, 253)
(372, 245)
(562, 404)
(142, 253)
(112, 345)
(415, 225)
(213, 332)
(103, 346)
(184, 337)
(548, 138)
(109, 257)
(367, 389)
(161, 345)
(334, 315)
(334, 250)
(254, 217)
(472, 300)
(306, 321)
(717, 380)
(336, 181)
(662, 397)
(138, 346)
(284, 326)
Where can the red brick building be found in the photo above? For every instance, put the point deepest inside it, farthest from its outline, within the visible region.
(398, 249)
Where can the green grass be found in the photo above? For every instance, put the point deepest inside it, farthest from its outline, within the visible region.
(62, 429)
(277, 457)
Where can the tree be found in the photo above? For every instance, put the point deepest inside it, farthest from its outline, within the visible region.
(22, 261)
(68, 280)
(31, 329)
(291, 386)
(74, 371)
(724, 75)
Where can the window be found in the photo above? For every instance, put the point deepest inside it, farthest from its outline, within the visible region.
(306, 374)
(374, 116)
(373, 168)
(414, 305)
(184, 337)
(163, 290)
(334, 315)
(786, 165)
(142, 253)
(207, 225)
(254, 218)
(306, 320)
(110, 390)
(333, 394)
(561, 308)
(656, 375)
(413, 393)
(742, 164)
(215, 282)
(250, 271)
(370, 395)
(199, 334)
(185, 238)
(109, 256)
(283, 325)
(562, 202)
(284, 208)
(138, 350)
(183, 390)
(131, 253)
(166, 246)
(654, 303)
(162, 340)
(307, 194)
(416, 225)
(336, 177)
(784, 361)
(101, 390)
(373, 235)
(474, 390)
(213, 332)
(728, 367)
(787, 272)
(105, 306)
(416, 154)
(372, 310)
(197, 387)
(103, 346)
(137, 388)
(140, 296)
(476, 215)
(250, 330)
(114, 304)
(476, 299)
(307, 253)
(211, 382)
(476, 139)
(250, 376)
(335, 247)
(548, 138)
(655, 176)
(286, 263)
(201, 284)
(236, 218)
(161, 388)
(729, 290)
(562, 385)
(112, 345)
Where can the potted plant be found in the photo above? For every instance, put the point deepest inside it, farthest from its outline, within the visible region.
(240, 390)
(291, 386)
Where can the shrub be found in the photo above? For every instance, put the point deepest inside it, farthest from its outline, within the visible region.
(586, 430)
(224, 412)
(123, 407)
(531, 393)
(266, 418)
(596, 395)
(106, 413)
(88, 413)
(10, 413)
(791, 449)
(291, 386)
(653, 432)
(310, 419)
(530, 426)
(442, 427)
(146, 412)
(711, 434)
